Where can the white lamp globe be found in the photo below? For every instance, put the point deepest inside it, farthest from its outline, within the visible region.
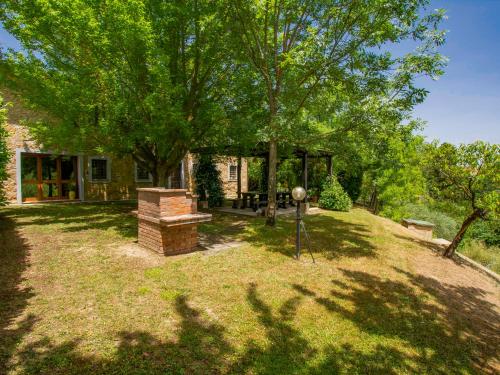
(298, 193)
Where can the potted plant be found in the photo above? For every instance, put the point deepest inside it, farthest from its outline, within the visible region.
(72, 191)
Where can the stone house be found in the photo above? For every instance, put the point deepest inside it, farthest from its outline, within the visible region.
(36, 174)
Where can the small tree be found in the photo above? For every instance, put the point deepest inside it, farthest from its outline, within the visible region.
(4, 152)
(467, 174)
(333, 196)
(208, 181)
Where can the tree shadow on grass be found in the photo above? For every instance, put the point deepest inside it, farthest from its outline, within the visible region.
(78, 217)
(391, 310)
(444, 337)
(470, 312)
(199, 348)
(331, 237)
(14, 297)
(288, 351)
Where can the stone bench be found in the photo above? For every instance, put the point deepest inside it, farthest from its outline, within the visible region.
(422, 228)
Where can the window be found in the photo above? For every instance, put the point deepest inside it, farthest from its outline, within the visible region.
(99, 169)
(142, 174)
(233, 172)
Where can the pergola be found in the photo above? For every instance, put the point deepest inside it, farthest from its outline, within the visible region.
(261, 151)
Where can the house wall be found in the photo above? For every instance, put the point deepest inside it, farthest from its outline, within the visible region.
(231, 186)
(122, 184)
(18, 138)
(222, 163)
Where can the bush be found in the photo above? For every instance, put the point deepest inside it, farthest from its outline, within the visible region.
(333, 196)
(208, 181)
(4, 152)
(488, 256)
(446, 227)
(487, 231)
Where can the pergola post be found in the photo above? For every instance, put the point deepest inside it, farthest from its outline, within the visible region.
(329, 166)
(238, 189)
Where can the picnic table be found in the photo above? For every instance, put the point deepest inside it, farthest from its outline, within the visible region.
(256, 199)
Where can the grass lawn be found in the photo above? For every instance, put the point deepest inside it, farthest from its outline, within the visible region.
(78, 296)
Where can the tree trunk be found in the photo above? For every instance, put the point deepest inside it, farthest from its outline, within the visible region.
(271, 189)
(450, 250)
(159, 175)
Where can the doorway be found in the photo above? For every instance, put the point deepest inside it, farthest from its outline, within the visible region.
(46, 177)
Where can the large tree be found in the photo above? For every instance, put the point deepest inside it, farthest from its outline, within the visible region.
(297, 50)
(137, 77)
(467, 174)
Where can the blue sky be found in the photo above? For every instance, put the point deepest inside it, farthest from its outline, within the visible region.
(464, 104)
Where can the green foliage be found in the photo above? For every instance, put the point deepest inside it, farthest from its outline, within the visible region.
(288, 174)
(208, 181)
(351, 181)
(446, 226)
(487, 231)
(396, 175)
(467, 173)
(254, 173)
(333, 196)
(122, 77)
(488, 256)
(4, 152)
(322, 68)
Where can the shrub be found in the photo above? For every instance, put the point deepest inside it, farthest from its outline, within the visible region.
(446, 227)
(487, 231)
(208, 181)
(333, 196)
(488, 256)
(4, 152)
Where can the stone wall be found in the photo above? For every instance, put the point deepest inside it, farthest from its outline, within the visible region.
(122, 184)
(19, 137)
(230, 186)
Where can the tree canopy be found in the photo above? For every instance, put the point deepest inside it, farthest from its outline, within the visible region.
(137, 77)
(327, 57)
(154, 79)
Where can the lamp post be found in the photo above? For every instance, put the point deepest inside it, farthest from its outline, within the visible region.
(298, 194)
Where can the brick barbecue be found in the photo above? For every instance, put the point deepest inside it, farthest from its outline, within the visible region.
(168, 220)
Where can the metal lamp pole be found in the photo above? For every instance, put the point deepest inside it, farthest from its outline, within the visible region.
(297, 238)
(298, 194)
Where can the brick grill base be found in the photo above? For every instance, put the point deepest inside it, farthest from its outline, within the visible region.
(168, 240)
(168, 220)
